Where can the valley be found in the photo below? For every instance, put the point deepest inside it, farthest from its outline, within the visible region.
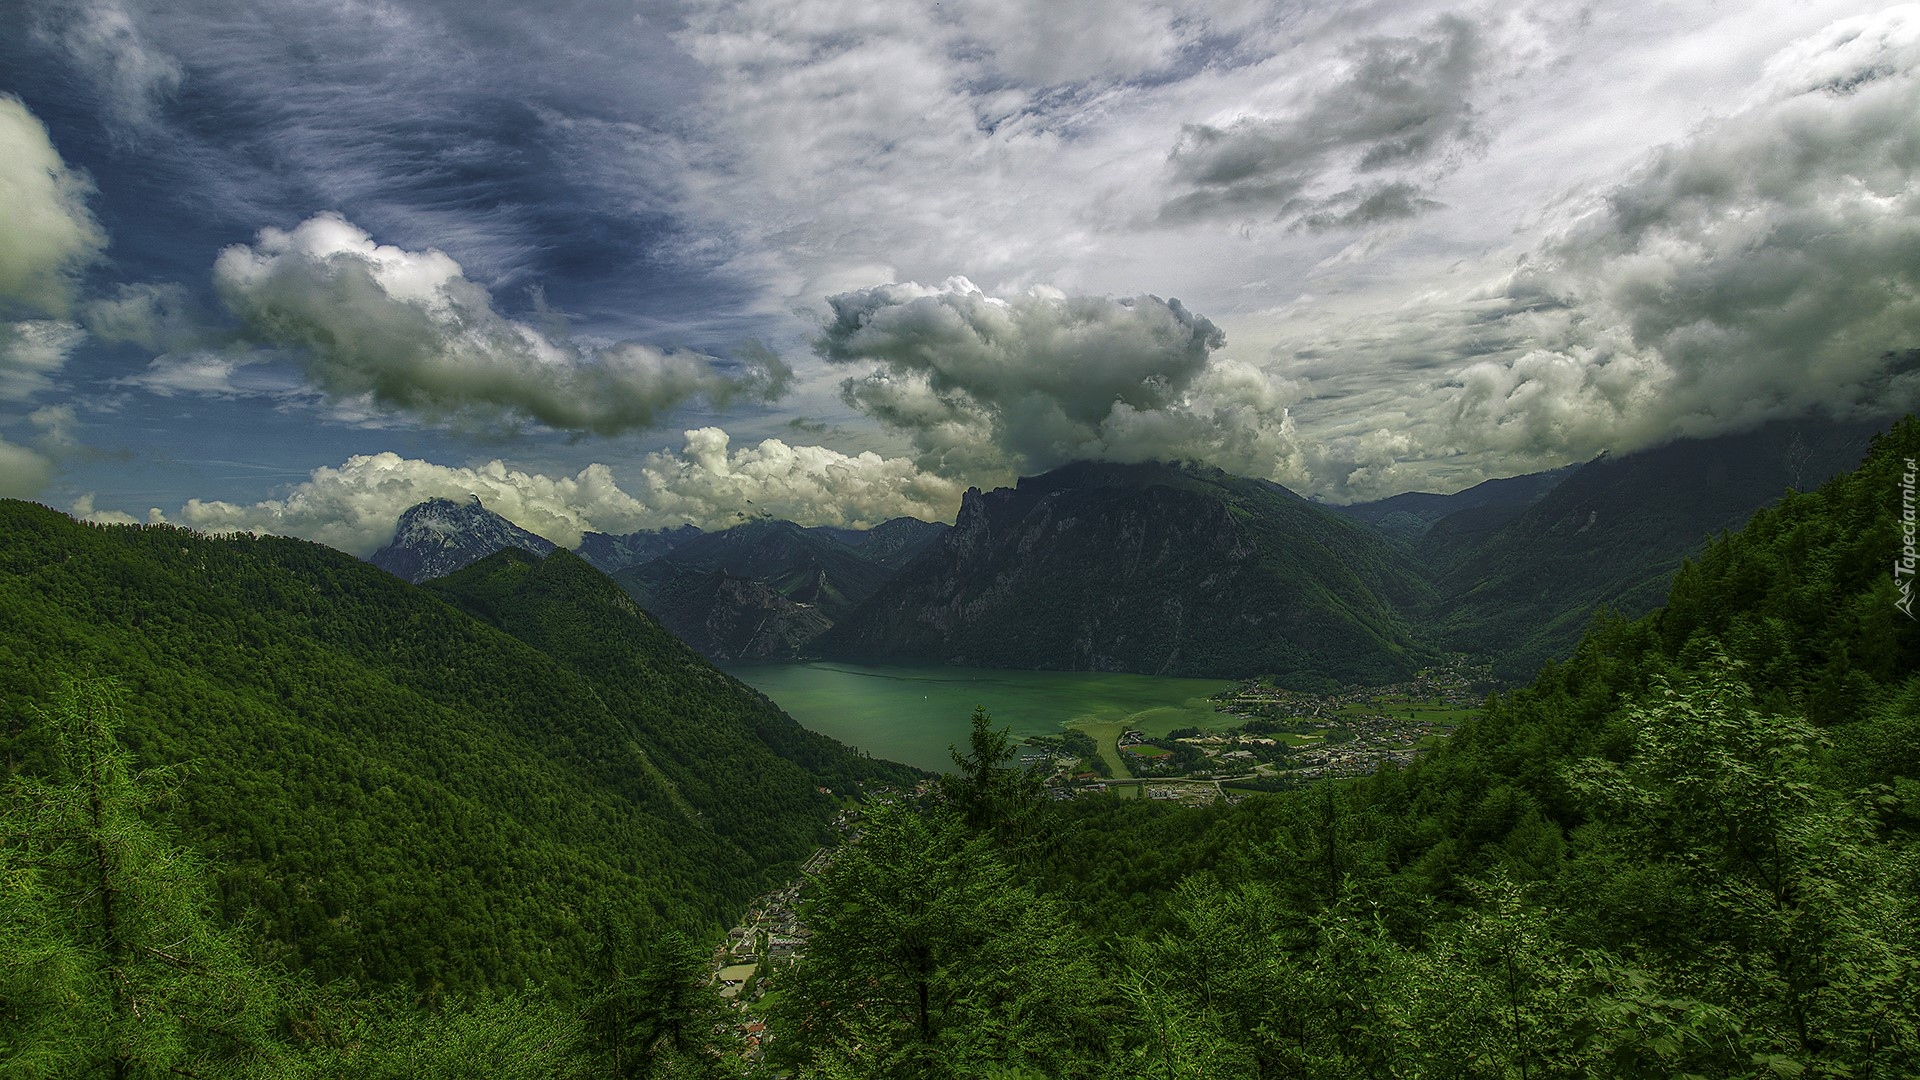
(513, 805)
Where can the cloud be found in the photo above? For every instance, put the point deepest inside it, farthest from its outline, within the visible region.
(409, 330)
(1102, 40)
(159, 317)
(983, 383)
(105, 40)
(1767, 266)
(710, 485)
(50, 234)
(354, 507)
(56, 425)
(203, 374)
(1403, 109)
(23, 472)
(30, 352)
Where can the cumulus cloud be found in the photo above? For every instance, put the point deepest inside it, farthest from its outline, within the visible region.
(23, 472)
(354, 507)
(985, 383)
(1768, 266)
(50, 233)
(1360, 150)
(411, 332)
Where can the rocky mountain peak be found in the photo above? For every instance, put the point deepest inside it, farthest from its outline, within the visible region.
(439, 536)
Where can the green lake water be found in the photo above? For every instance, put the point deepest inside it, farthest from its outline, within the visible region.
(913, 714)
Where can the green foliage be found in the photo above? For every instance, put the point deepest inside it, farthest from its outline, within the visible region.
(515, 1036)
(989, 793)
(929, 959)
(401, 793)
(654, 1010)
(113, 962)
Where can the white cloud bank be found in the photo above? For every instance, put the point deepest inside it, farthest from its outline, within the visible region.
(49, 232)
(409, 331)
(354, 507)
(47, 236)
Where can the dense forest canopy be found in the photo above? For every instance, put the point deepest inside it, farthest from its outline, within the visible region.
(396, 791)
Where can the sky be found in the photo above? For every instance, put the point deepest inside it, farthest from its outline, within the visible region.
(292, 266)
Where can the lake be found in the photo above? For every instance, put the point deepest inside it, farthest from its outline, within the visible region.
(913, 714)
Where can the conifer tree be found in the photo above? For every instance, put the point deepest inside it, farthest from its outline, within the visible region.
(113, 964)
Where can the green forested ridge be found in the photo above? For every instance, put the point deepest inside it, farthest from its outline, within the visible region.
(1611, 534)
(1687, 850)
(399, 792)
(1156, 568)
(708, 732)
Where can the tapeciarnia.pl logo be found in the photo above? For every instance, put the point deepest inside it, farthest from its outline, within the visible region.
(1903, 566)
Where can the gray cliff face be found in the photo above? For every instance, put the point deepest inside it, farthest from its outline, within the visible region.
(439, 536)
(723, 616)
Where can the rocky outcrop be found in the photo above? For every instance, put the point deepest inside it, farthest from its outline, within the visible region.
(722, 616)
(439, 536)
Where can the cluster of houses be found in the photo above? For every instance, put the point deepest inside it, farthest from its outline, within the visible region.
(1377, 740)
(1456, 684)
(768, 940)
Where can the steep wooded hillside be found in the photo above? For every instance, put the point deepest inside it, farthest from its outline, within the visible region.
(401, 791)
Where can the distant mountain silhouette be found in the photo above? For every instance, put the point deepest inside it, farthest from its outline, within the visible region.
(1157, 568)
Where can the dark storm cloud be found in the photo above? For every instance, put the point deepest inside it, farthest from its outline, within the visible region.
(1405, 103)
(1030, 381)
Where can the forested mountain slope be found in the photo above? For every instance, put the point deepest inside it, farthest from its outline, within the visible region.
(1611, 535)
(1164, 569)
(402, 792)
(731, 751)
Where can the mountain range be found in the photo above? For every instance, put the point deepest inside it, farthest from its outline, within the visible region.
(1183, 569)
